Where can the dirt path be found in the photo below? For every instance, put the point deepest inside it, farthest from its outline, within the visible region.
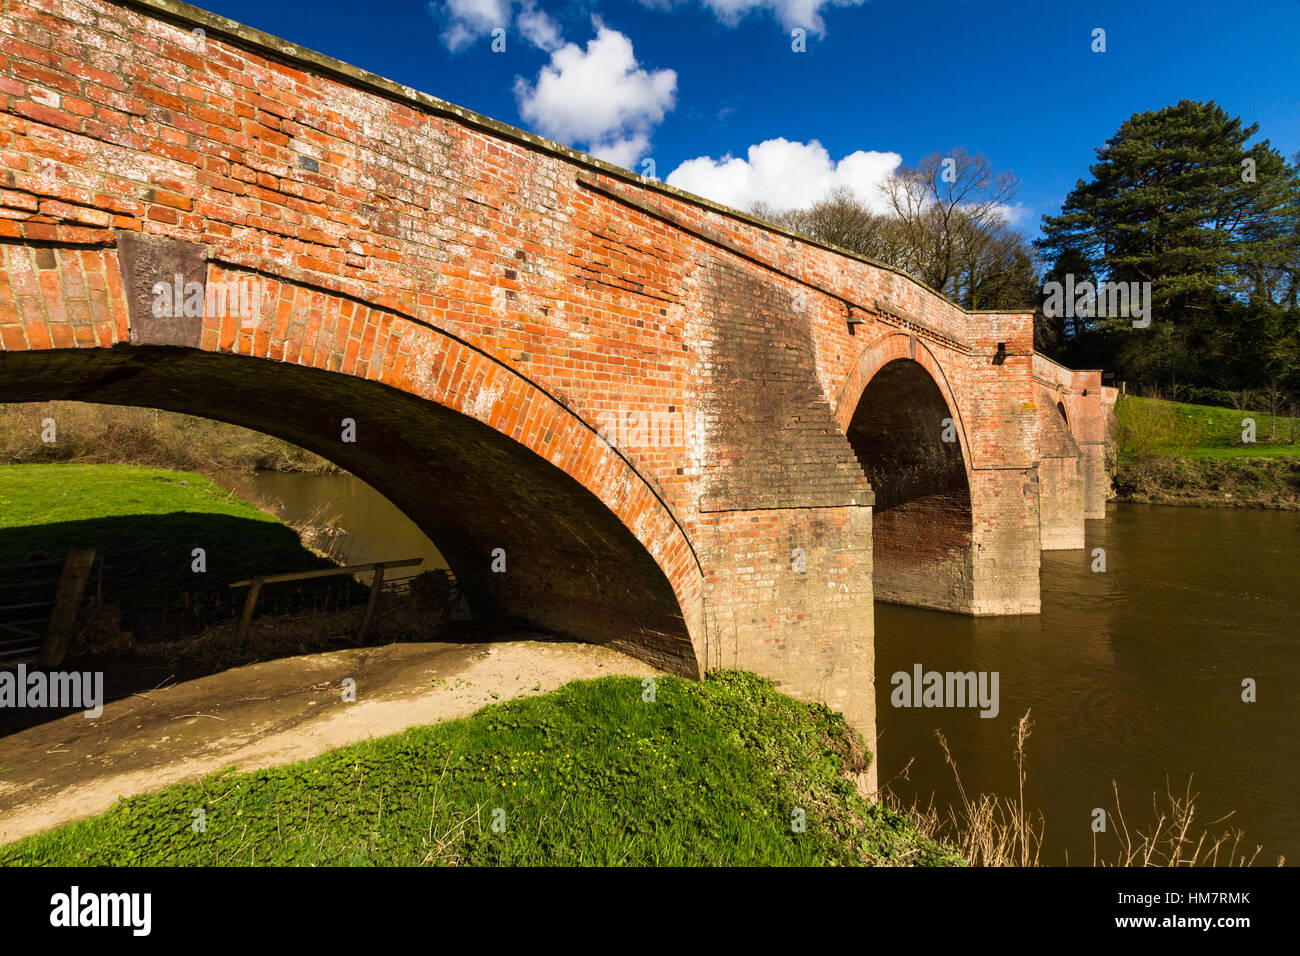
(266, 714)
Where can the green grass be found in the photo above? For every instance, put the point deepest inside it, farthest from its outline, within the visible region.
(32, 495)
(1202, 431)
(1174, 453)
(709, 773)
(144, 524)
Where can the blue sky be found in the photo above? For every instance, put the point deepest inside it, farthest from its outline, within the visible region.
(699, 80)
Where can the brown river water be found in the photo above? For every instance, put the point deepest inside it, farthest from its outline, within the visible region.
(1133, 675)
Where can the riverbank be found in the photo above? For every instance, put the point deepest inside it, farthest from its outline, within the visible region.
(1210, 483)
(82, 433)
(267, 714)
(724, 771)
(168, 541)
(1179, 454)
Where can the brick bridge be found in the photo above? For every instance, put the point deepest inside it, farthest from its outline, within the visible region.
(695, 437)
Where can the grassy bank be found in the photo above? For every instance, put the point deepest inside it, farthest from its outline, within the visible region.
(1150, 426)
(1174, 453)
(109, 434)
(708, 773)
(145, 524)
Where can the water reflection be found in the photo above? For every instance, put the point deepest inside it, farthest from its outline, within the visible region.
(1133, 675)
(375, 530)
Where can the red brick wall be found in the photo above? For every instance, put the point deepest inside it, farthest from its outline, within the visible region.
(472, 281)
(789, 595)
(1060, 479)
(1089, 412)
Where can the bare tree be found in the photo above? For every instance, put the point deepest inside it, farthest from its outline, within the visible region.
(942, 203)
(1274, 395)
(944, 225)
(1240, 399)
(996, 268)
(840, 218)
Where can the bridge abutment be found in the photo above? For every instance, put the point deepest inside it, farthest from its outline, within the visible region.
(788, 594)
(1060, 476)
(1061, 502)
(1095, 478)
(1074, 422)
(1005, 549)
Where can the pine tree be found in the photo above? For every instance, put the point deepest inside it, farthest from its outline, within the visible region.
(1179, 199)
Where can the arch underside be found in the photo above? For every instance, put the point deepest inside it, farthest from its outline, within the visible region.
(922, 524)
(572, 567)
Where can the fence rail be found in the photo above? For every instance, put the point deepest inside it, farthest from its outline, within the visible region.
(38, 609)
(254, 586)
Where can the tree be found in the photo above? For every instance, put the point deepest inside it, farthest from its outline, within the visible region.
(941, 205)
(1178, 199)
(944, 225)
(841, 218)
(1271, 260)
(996, 267)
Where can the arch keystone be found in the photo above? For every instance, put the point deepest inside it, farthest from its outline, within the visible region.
(182, 268)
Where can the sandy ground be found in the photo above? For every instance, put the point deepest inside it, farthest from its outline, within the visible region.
(266, 714)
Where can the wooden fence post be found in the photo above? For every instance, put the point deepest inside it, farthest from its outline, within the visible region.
(375, 585)
(67, 603)
(245, 619)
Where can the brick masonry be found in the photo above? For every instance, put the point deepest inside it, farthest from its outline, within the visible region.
(669, 416)
(1086, 406)
(1060, 476)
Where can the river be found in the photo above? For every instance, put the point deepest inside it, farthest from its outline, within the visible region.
(375, 530)
(1132, 675)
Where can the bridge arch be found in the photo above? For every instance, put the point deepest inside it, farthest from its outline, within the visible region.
(1061, 509)
(479, 456)
(906, 429)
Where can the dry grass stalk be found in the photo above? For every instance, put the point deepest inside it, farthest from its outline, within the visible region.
(991, 830)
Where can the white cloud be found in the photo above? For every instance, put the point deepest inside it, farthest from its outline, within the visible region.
(539, 28)
(786, 175)
(468, 21)
(599, 98)
(626, 151)
(1016, 214)
(791, 13)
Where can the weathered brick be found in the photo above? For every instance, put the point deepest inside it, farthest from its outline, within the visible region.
(653, 404)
